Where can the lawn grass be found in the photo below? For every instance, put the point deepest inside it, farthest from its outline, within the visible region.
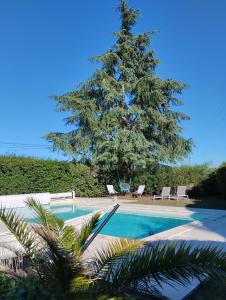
(211, 202)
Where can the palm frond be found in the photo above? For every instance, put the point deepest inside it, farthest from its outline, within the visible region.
(86, 231)
(21, 230)
(106, 258)
(147, 268)
(57, 264)
(81, 285)
(65, 234)
(44, 217)
(48, 245)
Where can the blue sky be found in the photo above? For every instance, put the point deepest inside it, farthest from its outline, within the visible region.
(45, 46)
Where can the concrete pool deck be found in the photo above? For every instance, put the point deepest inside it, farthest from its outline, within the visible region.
(209, 230)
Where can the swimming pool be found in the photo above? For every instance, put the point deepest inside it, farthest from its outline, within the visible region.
(128, 224)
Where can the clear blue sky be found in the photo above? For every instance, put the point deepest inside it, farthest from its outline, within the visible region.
(44, 50)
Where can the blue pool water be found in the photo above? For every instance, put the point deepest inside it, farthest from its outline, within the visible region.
(139, 226)
(128, 225)
(69, 212)
(64, 212)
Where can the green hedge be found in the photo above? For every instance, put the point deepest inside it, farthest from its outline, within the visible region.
(201, 180)
(221, 180)
(157, 176)
(214, 184)
(20, 175)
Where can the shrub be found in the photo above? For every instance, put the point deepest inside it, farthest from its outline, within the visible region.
(191, 176)
(213, 185)
(221, 180)
(12, 288)
(157, 176)
(20, 175)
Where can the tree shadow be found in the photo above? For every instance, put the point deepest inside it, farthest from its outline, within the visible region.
(210, 202)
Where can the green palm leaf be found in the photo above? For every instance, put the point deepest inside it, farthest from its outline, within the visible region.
(50, 247)
(57, 264)
(107, 257)
(22, 230)
(65, 235)
(85, 232)
(145, 269)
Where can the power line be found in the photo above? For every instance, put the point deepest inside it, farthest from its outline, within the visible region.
(22, 145)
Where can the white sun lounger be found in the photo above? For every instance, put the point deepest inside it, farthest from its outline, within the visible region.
(181, 193)
(111, 190)
(165, 193)
(139, 191)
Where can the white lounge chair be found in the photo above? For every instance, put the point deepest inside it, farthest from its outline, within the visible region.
(139, 191)
(181, 193)
(111, 190)
(165, 193)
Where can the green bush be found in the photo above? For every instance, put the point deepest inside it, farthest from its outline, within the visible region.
(157, 176)
(8, 288)
(213, 184)
(154, 178)
(19, 175)
(191, 176)
(221, 180)
(12, 288)
(201, 180)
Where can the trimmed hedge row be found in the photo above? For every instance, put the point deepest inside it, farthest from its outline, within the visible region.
(20, 175)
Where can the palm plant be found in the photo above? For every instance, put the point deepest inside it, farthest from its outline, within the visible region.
(125, 268)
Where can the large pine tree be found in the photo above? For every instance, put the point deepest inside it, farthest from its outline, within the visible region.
(122, 118)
